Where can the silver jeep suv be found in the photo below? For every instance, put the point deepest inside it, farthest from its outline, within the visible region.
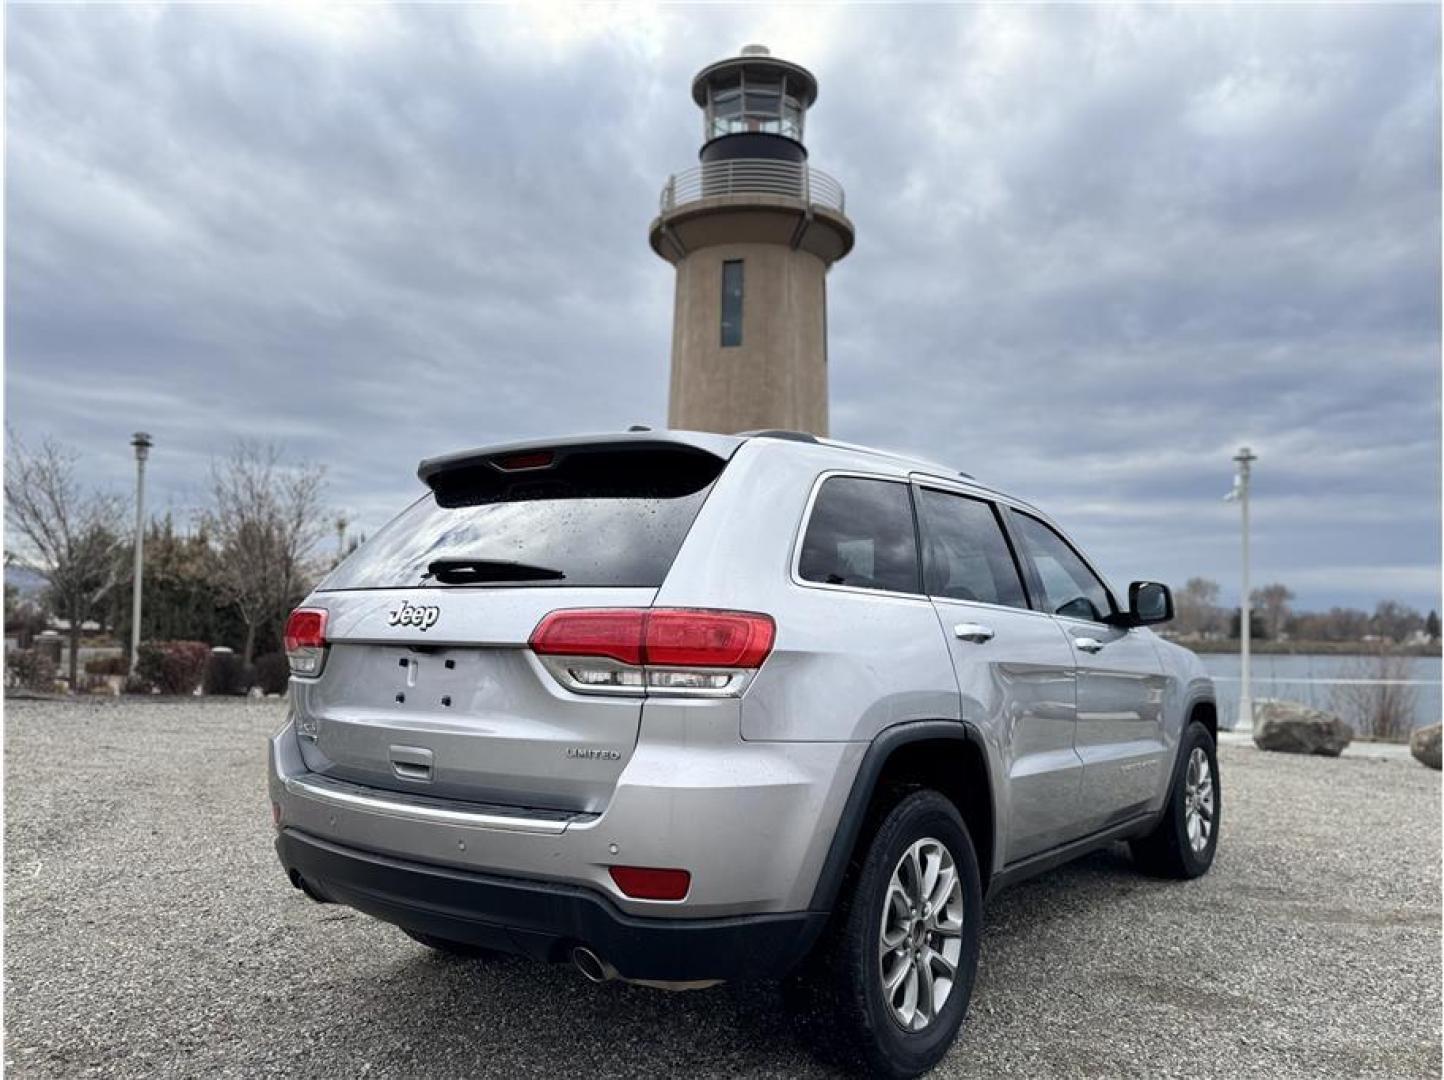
(680, 708)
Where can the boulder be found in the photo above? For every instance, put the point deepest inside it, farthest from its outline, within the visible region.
(1424, 745)
(1290, 727)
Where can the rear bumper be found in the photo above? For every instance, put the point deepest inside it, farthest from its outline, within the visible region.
(544, 920)
(752, 822)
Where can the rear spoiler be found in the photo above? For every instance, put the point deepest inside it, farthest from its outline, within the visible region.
(540, 456)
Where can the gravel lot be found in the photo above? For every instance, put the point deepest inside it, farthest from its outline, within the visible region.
(150, 932)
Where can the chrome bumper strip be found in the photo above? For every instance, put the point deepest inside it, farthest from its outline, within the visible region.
(399, 804)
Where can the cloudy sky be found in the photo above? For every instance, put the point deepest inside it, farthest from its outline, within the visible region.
(1098, 248)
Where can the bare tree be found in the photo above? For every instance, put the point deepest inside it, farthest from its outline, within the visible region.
(1378, 702)
(1273, 602)
(1395, 621)
(72, 536)
(1196, 607)
(265, 518)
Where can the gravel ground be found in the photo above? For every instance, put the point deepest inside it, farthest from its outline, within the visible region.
(149, 932)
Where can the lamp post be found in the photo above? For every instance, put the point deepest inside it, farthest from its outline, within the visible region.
(1244, 459)
(142, 445)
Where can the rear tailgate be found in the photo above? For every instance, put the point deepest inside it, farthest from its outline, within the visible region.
(428, 685)
(462, 709)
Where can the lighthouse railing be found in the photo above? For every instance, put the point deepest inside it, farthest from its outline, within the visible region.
(749, 176)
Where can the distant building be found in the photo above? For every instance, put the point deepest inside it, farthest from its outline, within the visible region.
(752, 231)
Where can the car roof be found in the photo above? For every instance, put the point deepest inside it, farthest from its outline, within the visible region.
(856, 455)
(848, 455)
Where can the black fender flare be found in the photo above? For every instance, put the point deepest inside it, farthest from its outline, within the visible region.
(864, 784)
(1193, 699)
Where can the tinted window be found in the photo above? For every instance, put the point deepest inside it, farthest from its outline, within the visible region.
(1069, 587)
(608, 518)
(861, 533)
(965, 556)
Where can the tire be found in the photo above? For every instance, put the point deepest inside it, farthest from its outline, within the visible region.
(842, 983)
(459, 949)
(1173, 849)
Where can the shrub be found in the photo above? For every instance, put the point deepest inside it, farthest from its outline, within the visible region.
(224, 675)
(107, 665)
(97, 684)
(1381, 704)
(273, 673)
(227, 673)
(172, 667)
(31, 669)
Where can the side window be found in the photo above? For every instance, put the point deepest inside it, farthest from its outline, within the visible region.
(965, 555)
(861, 534)
(1069, 587)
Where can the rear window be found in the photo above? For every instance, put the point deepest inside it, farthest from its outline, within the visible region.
(615, 517)
(861, 534)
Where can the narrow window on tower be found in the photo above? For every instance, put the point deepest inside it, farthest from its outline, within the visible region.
(732, 303)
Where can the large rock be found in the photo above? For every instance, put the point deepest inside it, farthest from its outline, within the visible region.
(1424, 745)
(1293, 728)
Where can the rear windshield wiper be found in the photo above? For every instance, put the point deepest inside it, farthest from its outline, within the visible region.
(475, 571)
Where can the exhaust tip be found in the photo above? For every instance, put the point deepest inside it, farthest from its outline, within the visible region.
(306, 887)
(592, 966)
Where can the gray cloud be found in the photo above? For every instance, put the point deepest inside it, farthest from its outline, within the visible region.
(1098, 248)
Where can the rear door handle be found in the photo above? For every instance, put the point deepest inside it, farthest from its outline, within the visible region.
(974, 632)
(1088, 644)
(411, 763)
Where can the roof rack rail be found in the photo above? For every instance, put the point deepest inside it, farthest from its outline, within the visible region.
(778, 433)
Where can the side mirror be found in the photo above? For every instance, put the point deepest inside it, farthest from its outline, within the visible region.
(1149, 602)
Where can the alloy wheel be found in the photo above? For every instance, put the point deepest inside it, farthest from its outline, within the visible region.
(920, 939)
(1198, 800)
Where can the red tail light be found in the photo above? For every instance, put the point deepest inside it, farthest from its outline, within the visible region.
(676, 650)
(651, 883)
(616, 633)
(305, 641)
(686, 638)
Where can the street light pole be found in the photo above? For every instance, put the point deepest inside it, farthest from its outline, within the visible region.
(142, 445)
(1244, 459)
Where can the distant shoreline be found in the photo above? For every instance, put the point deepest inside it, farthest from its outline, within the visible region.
(1308, 648)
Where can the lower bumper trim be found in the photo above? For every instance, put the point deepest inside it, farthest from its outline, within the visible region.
(544, 920)
(431, 810)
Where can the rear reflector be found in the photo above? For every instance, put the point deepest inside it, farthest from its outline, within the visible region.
(651, 883)
(305, 641)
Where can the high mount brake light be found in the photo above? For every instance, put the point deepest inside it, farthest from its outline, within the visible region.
(535, 459)
(305, 641)
(662, 650)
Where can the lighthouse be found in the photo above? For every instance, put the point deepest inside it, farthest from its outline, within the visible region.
(751, 231)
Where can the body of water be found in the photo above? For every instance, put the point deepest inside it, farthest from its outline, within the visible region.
(1313, 681)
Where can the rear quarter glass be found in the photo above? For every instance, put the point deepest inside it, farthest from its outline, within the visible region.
(598, 518)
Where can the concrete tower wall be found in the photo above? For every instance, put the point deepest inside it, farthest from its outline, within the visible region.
(777, 376)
